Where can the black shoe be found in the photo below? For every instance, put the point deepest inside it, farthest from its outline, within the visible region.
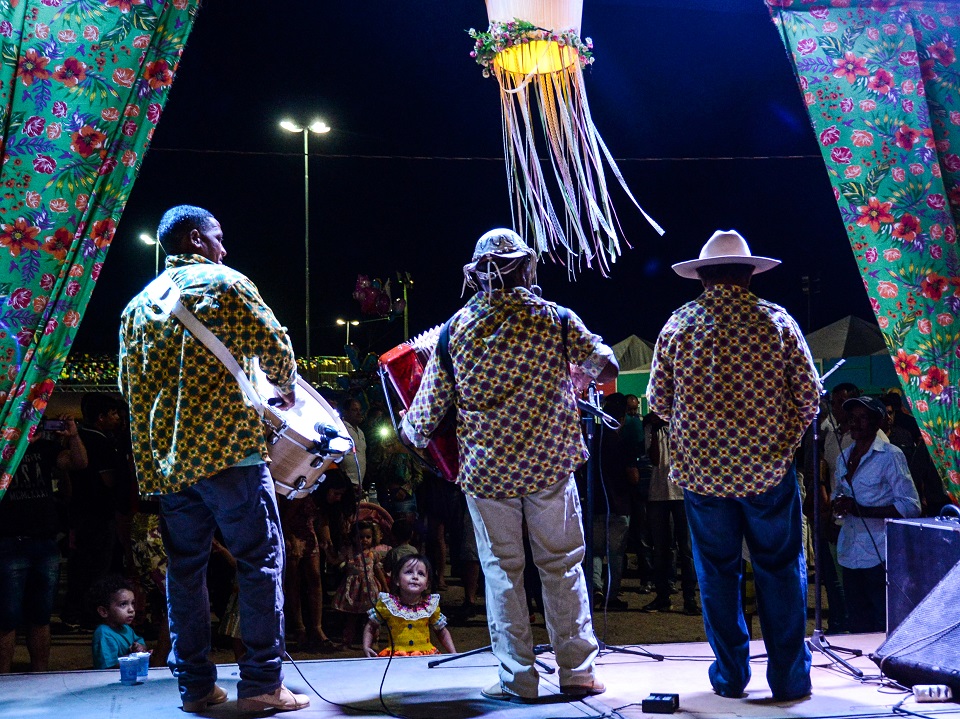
(691, 609)
(58, 628)
(657, 605)
(615, 604)
(465, 612)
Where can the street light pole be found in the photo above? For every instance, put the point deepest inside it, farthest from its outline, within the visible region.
(405, 280)
(306, 244)
(347, 323)
(318, 127)
(156, 251)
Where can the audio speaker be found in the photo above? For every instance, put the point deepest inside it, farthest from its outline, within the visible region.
(925, 647)
(919, 553)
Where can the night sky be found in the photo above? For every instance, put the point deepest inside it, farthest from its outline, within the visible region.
(695, 98)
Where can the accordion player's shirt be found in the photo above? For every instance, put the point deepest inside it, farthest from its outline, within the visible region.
(518, 428)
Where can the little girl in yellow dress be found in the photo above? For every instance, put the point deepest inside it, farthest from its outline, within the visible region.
(409, 611)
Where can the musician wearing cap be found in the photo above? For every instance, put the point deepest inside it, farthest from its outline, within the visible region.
(873, 485)
(201, 449)
(519, 442)
(733, 375)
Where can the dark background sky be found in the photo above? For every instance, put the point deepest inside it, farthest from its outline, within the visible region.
(695, 98)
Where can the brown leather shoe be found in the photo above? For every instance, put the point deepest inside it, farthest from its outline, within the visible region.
(217, 695)
(584, 690)
(282, 700)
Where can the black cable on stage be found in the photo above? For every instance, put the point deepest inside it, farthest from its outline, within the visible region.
(898, 709)
(386, 710)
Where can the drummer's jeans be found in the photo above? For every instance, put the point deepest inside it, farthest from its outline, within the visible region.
(240, 502)
(556, 537)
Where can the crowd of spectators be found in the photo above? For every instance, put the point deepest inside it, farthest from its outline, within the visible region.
(73, 504)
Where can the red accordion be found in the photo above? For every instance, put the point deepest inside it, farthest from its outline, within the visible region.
(404, 366)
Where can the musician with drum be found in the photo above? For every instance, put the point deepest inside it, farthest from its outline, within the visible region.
(201, 449)
(508, 372)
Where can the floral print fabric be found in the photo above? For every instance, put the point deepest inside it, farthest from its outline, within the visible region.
(880, 81)
(82, 87)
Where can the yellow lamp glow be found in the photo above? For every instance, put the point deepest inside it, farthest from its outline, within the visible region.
(539, 57)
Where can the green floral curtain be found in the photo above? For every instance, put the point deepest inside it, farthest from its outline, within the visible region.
(881, 83)
(82, 87)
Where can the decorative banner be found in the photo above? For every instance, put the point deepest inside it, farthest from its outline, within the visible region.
(880, 80)
(82, 86)
(533, 48)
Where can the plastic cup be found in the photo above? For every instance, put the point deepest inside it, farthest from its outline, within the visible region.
(128, 670)
(143, 664)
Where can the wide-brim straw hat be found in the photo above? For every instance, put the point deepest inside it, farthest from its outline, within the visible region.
(726, 247)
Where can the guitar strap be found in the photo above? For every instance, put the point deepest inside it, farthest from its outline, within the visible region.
(165, 295)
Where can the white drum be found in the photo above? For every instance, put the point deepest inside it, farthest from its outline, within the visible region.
(305, 440)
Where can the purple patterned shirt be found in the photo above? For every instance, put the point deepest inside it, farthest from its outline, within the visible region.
(518, 428)
(733, 375)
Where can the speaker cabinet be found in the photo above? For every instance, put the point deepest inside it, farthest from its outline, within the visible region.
(925, 647)
(920, 552)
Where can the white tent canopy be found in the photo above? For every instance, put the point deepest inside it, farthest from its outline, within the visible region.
(849, 337)
(633, 353)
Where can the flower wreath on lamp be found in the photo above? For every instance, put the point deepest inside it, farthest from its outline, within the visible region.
(533, 47)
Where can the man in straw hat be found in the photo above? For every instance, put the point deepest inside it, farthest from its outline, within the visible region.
(519, 439)
(734, 377)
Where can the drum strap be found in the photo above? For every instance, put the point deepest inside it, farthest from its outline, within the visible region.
(165, 295)
(443, 342)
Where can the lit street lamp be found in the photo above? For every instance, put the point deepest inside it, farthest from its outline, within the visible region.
(405, 280)
(147, 239)
(347, 323)
(320, 128)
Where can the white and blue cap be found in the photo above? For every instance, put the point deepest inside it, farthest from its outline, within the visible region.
(497, 253)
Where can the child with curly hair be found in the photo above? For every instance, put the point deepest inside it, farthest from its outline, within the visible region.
(363, 577)
(410, 612)
(113, 599)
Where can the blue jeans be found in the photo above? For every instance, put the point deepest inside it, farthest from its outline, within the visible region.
(771, 525)
(240, 502)
(29, 573)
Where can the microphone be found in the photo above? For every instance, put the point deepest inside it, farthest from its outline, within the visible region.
(326, 430)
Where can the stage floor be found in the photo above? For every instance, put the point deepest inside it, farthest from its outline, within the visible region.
(452, 690)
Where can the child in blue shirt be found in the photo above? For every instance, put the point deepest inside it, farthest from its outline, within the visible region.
(113, 598)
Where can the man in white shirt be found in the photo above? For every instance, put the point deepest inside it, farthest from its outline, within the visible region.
(355, 465)
(873, 484)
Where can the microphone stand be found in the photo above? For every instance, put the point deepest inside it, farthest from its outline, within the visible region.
(818, 641)
(592, 416)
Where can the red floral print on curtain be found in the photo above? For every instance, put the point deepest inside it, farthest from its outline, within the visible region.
(82, 87)
(880, 81)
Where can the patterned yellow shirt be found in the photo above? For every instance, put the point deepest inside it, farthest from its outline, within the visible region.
(518, 429)
(734, 377)
(189, 418)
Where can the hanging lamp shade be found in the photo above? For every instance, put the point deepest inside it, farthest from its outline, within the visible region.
(534, 49)
(537, 56)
